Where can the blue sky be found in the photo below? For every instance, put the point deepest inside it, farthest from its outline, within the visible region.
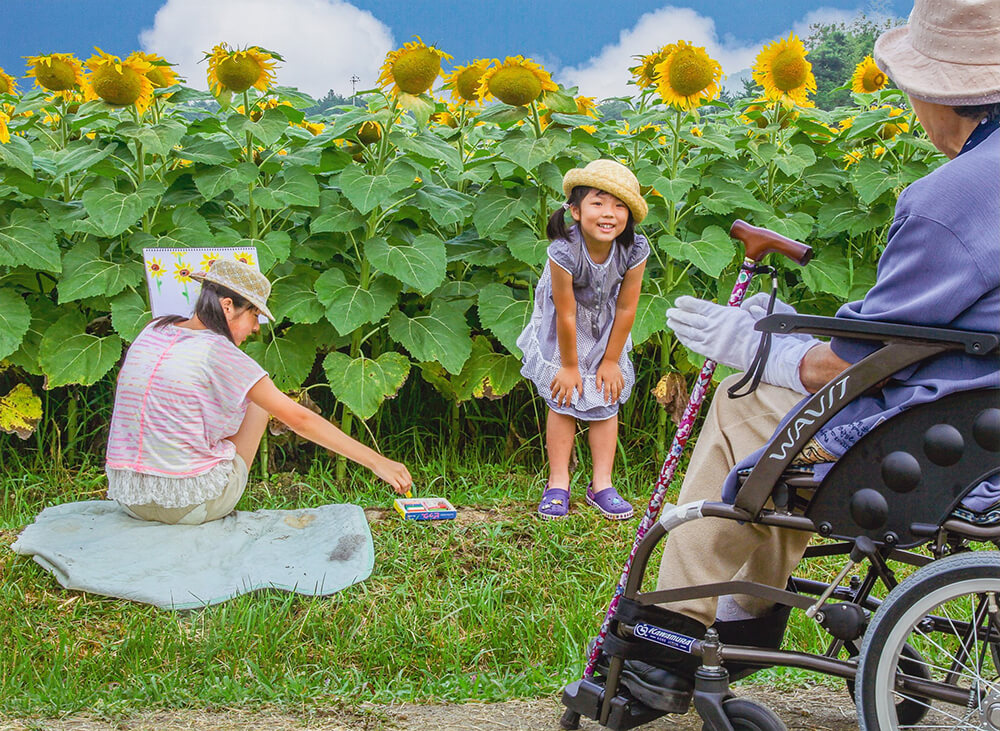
(584, 42)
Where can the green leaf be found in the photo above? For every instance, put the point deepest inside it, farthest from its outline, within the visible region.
(18, 154)
(362, 384)
(348, 306)
(297, 187)
(503, 114)
(727, 197)
(129, 315)
(794, 161)
(428, 146)
(44, 313)
(87, 274)
(446, 206)
(288, 359)
(217, 179)
(28, 239)
(485, 374)
(504, 315)
(440, 335)
(334, 216)
(78, 156)
(527, 247)
(204, 150)
(113, 212)
(560, 101)
(68, 354)
(15, 317)
(294, 297)
(365, 192)
(711, 253)
(529, 151)
(828, 272)
(650, 316)
(796, 225)
(494, 210)
(269, 128)
(420, 264)
(838, 215)
(871, 179)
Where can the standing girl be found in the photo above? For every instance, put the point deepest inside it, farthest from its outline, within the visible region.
(191, 407)
(577, 342)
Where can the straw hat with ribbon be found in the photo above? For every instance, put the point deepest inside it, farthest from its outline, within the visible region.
(948, 53)
(240, 278)
(611, 177)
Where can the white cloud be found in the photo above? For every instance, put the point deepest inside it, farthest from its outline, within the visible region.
(606, 74)
(323, 42)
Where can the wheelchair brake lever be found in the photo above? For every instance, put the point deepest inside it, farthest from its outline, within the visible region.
(864, 547)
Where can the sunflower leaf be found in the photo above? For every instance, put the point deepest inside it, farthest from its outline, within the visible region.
(420, 264)
(294, 297)
(28, 239)
(87, 274)
(440, 335)
(129, 315)
(288, 358)
(367, 191)
(69, 354)
(362, 384)
(17, 153)
(15, 317)
(20, 411)
(504, 315)
(348, 306)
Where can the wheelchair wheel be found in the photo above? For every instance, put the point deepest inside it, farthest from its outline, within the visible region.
(947, 613)
(746, 715)
(908, 710)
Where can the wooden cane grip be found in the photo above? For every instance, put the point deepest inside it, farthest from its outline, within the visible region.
(758, 242)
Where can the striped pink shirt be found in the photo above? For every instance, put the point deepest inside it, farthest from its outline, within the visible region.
(180, 393)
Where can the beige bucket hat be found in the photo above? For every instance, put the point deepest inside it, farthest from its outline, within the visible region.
(242, 279)
(611, 177)
(948, 53)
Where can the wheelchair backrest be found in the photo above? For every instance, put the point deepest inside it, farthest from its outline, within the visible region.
(900, 481)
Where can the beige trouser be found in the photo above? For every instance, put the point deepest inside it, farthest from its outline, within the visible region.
(213, 509)
(710, 550)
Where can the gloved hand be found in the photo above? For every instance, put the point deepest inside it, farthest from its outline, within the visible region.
(756, 305)
(726, 335)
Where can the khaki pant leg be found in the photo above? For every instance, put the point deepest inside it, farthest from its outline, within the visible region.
(711, 549)
(217, 507)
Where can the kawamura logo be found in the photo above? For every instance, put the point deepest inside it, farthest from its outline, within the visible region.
(832, 395)
(663, 637)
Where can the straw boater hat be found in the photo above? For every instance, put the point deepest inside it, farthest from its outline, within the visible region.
(948, 53)
(611, 177)
(242, 279)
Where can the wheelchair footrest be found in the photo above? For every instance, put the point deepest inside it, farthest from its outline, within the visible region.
(586, 696)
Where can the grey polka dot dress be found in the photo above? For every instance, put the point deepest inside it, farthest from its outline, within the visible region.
(595, 287)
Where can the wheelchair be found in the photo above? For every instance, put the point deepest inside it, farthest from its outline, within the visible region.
(927, 655)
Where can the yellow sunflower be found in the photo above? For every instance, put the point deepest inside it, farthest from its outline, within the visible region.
(589, 128)
(464, 81)
(369, 132)
(586, 105)
(891, 129)
(852, 158)
(688, 76)
(119, 83)
(413, 68)
(56, 71)
(4, 131)
(645, 73)
(868, 77)
(765, 108)
(781, 68)
(257, 110)
(8, 84)
(446, 118)
(517, 81)
(155, 267)
(182, 272)
(160, 74)
(230, 69)
(313, 128)
(246, 257)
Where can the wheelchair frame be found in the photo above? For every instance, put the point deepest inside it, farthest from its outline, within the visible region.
(862, 523)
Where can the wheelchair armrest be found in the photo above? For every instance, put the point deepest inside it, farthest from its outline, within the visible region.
(974, 343)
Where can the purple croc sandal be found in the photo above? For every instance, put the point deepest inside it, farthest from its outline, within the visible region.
(554, 504)
(612, 505)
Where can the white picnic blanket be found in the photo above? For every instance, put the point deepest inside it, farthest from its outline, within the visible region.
(94, 546)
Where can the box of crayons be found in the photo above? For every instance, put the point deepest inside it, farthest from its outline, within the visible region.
(424, 508)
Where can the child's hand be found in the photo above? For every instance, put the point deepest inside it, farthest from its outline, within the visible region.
(395, 473)
(563, 384)
(609, 381)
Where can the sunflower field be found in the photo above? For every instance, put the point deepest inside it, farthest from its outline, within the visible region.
(404, 236)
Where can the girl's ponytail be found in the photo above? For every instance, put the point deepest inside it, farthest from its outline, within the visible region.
(209, 310)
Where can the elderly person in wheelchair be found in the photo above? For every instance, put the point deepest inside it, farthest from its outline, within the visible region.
(898, 446)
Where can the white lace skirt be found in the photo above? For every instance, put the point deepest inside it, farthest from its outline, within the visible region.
(136, 488)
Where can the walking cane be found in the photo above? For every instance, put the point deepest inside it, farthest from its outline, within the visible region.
(757, 243)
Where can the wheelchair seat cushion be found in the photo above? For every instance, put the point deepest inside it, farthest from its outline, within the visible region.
(989, 516)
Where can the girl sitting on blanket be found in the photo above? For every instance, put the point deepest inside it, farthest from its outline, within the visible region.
(191, 407)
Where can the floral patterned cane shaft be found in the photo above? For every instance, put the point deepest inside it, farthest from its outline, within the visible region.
(669, 466)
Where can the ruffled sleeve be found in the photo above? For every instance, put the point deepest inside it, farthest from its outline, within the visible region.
(564, 254)
(638, 252)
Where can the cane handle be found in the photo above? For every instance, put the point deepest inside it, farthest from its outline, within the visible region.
(758, 242)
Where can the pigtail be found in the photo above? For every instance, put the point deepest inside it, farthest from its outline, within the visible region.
(556, 227)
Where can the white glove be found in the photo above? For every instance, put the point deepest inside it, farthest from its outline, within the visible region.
(756, 305)
(726, 335)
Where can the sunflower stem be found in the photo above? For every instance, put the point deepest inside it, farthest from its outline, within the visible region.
(536, 121)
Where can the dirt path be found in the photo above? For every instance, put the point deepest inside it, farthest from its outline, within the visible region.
(817, 709)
